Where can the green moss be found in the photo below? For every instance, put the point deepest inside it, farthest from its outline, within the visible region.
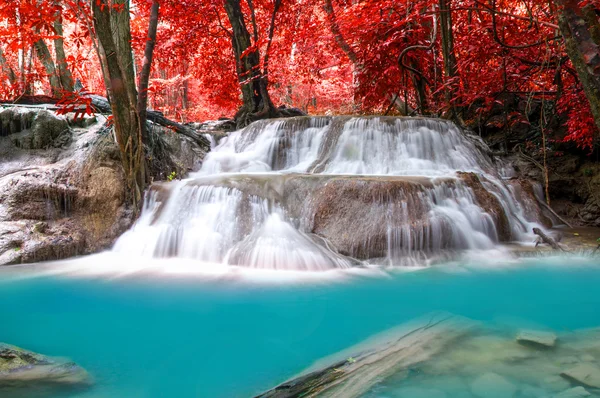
(13, 358)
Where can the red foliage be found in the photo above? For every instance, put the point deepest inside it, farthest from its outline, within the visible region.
(194, 72)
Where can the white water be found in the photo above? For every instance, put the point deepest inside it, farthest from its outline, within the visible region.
(258, 199)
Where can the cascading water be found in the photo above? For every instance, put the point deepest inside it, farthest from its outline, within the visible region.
(318, 193)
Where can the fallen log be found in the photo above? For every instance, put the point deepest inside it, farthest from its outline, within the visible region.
(543, 238)
(101, 105)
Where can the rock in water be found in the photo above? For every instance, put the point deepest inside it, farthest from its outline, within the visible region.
(536, 338)
(576, 392)
(492, 385)
(19, 366)
(585, 373)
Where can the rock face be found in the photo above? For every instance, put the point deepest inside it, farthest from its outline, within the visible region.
(63, 197)
(400, 218)
(21, 366)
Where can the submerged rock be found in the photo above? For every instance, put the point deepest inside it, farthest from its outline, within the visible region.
(19, 366)
(585, 373)
(576, 392)
(536, 338)
(492, 385)
(391, 353)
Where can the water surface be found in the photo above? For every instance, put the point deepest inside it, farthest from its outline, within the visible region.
(168, 335)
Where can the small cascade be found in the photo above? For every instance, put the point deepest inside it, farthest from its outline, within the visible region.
(319, 193)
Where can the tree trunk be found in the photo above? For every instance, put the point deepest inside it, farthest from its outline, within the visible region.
(345, 47)
(46, 59)
(64, 74)
(122, 39)
(185, 93)
(256, 101)
(583, 52)
(142, 102)
(111, 26)
(450, 64)
(7, 70)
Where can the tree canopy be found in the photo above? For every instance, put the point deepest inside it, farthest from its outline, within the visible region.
(451, 58)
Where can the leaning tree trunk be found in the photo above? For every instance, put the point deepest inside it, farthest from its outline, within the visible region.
(110, 26)
(64, 74)
(46, 59)
(257, 103)
(6, 69)
(347, 49)
(583, 51)
(142, 102)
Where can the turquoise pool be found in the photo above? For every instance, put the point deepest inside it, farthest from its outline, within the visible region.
(187, 335)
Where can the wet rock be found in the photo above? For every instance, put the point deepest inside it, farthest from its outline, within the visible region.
(61, 197)
(525, 193)
(353, 215)
(490, 203)
(47, 130)
(492, 385)
(576, 392)
(585, 374)
(15, 120)
(40, 227)
(536, 338)
(21, 366)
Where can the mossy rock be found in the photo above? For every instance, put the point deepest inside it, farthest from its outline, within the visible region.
(13, 358)
(20, 366)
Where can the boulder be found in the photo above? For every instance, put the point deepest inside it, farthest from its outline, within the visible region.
(60, 198)
(585, 374)
(577, 392)
(19, 366)
(536, 338)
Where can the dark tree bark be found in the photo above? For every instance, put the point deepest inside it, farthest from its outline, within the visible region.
(112, 26)
(122, 38)
(45, 58)
(583, 51)
(142, 102)
(185, 88)
(345, 47)
(6, 69)
(257, 103)
(337, 34)
(450, 64)
(64, 74)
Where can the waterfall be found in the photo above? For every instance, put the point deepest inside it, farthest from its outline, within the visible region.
(318, 193)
